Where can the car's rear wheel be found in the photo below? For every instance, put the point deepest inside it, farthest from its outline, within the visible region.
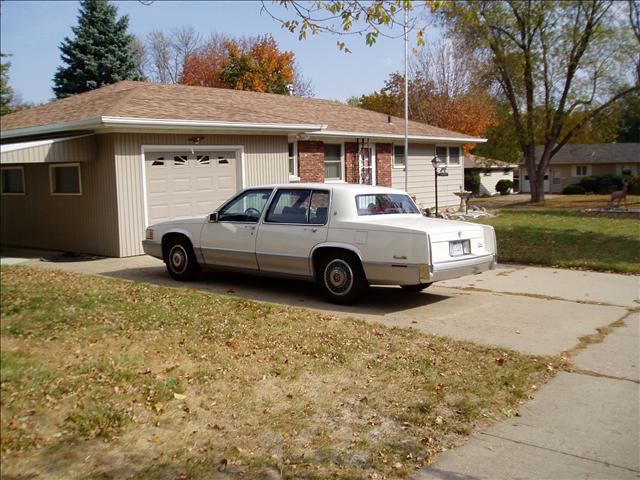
(341, 278)
(415, 288)
(181, 260)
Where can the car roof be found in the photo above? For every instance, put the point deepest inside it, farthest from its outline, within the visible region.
(343, 187)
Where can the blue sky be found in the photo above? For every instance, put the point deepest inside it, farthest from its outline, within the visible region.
(32, 31)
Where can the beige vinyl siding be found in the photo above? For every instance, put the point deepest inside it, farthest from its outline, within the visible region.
(421, 179)
(85, 223)
(68, 151)
(265, 161)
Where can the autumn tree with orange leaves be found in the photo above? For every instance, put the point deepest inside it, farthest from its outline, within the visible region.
(255, 64)
(443, 91)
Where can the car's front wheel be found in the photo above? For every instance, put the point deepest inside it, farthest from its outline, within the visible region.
(181, 260)
(341, 278)
(415, 288)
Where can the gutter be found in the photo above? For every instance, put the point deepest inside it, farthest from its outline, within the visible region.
(108, 121)
(316, 130)
(337, 133)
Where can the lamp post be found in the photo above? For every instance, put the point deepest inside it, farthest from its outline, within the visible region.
(438, 164)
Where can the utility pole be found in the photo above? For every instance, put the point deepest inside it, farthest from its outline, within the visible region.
(406, 103)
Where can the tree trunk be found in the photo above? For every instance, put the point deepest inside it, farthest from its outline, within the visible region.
(537, 192)
(535, 172)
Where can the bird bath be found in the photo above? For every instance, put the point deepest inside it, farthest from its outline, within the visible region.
(464, 198)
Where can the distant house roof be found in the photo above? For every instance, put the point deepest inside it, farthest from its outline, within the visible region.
(582, 153)
(476, 161)
(131, 104)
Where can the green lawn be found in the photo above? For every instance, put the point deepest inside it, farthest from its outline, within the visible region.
(104, 378)
(568, 239)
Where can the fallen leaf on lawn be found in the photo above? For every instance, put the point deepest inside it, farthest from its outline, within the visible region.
(179, 396)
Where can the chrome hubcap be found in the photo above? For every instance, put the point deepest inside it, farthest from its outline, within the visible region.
(178, 259)
(338, 277)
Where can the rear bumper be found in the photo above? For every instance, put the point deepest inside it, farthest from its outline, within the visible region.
(152, 248)
(460, 268)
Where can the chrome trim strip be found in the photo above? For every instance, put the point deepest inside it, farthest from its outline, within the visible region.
(463, 260)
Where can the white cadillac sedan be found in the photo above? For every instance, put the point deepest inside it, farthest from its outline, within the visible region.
(345, 237)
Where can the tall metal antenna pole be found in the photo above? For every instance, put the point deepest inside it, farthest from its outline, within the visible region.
(406, 103)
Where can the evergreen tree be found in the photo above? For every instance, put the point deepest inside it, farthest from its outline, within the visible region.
(6, 92)
(100, 54)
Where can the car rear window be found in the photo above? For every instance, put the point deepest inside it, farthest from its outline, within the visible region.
(385, 204)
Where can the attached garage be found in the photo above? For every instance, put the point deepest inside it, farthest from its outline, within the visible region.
(185, 183)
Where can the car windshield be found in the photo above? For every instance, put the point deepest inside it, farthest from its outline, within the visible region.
(384, 204)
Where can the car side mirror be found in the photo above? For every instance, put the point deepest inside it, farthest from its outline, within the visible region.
(213, 218)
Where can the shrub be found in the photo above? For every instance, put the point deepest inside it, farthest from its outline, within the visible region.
(590, 184)
(634, 183)
(574, 189)
(608, 184)
(503, 186)
(472, 182)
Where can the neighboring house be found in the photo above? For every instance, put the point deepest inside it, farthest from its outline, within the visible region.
(576, 161)
(491, 171)
(88, 173)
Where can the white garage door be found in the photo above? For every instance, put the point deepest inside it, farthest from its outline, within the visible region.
(181, 184)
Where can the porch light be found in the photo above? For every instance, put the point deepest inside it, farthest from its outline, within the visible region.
(439, 170)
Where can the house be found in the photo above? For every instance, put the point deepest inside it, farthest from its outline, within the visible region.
(576, 161)
(88, 173)
(491, 171)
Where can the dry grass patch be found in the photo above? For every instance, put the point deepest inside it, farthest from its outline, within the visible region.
(106, 378)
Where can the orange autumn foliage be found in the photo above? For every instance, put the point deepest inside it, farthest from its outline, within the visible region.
(254, 64)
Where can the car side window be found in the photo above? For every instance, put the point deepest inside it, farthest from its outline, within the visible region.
(246, 207)
(289, 206)
(319, 207)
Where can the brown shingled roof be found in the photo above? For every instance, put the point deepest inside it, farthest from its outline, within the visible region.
(180, 102)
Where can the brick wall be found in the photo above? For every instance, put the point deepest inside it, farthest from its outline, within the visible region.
(351, 162)
(311, 161)
(383, 164)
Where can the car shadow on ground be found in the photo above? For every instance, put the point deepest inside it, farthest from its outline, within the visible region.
(378, 300)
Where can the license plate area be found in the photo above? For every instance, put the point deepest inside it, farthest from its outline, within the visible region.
(458, 248)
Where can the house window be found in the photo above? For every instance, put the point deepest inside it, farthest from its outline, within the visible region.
(293, 159)
(581, 171)
(13, 181)
(65, 179)
(454, 155)
(443, 154)
(398, 156)
(449, 155)
(333, 170)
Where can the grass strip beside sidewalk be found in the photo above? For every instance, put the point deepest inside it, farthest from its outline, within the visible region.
(106, 378)
(567, 239)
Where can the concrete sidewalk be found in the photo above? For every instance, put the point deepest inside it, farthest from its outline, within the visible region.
(579, 426)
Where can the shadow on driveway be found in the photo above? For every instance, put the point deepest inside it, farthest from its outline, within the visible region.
(377, 301)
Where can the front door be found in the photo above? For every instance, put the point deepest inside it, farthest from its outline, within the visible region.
(367, 164)
(295, 223)
(231, 241)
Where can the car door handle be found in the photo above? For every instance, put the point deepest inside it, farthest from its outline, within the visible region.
(250, 227)
(311, 230)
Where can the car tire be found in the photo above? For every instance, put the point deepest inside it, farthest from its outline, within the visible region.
(181, 260)
(415, 288)
(342, 278)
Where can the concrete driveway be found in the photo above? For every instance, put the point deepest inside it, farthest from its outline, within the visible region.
(539, 311)
(584, 424)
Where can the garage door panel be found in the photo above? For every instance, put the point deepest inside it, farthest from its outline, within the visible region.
(204, 184)
(157, 186)
(185, 185)
(159, 212)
